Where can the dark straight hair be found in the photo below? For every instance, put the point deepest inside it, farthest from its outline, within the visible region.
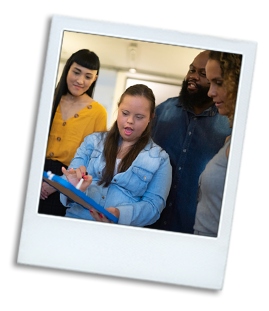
(84, 58)
(112, 140)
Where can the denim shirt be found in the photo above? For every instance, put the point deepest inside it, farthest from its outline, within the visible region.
(191, 141)
(139, 193)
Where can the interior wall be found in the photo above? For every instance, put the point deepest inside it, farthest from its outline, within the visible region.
(162, 87)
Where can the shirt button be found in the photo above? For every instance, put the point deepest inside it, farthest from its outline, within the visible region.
(175, 186)
(76, 115)
(58, 138)
(195, 118)
(170, 204)
(184, 150)
(64, 123)
(103, 197)
(89, 106)
(51, 154)
(179, 168)
(99, 173)
(189, 133)
(115, 179)
(165, 222)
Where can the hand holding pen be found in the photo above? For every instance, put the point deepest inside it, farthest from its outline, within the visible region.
(84, 176)
(78, 177)
(81, 180)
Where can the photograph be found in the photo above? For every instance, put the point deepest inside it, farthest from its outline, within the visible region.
(137, 148)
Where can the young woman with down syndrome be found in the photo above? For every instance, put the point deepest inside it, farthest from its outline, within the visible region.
(129, 175)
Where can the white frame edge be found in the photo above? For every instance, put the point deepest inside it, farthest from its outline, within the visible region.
(123, 251)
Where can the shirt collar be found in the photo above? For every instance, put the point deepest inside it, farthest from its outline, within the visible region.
(209, 112)
(147, 147)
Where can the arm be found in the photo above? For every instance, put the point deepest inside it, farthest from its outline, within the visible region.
(238, 233)
(74, 177)
(46, 190)
(149, 208)
(227, 138)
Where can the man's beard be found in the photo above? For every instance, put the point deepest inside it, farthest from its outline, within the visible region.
(195, 99)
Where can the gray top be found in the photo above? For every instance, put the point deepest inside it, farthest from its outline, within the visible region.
(210, 193)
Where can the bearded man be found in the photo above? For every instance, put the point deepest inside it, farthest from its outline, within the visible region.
(190, 129)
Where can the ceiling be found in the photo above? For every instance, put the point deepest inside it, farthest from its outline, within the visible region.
(150, 58)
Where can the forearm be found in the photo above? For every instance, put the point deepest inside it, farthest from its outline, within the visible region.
(149, 208)
(142, 213)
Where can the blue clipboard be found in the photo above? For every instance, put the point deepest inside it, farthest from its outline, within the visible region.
(75, 194)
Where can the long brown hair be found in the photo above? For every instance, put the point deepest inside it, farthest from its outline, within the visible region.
(230, 65)
(113, 137)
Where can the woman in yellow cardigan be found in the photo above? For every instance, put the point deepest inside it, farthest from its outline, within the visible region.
(75, 115)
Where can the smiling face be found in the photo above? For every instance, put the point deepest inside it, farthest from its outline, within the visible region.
(193, 94)
(79, 79)
(133, 117)
(196, 75)
(217, 89)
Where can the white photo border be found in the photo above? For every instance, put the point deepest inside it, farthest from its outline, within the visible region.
(123, 251)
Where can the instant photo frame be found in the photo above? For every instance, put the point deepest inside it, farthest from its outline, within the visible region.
(125, 251)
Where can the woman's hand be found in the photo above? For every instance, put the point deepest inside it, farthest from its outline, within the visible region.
(74, 176)
(46, 190)
(113, 210)
(101, 217)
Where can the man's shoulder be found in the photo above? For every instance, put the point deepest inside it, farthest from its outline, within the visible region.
(172, 101)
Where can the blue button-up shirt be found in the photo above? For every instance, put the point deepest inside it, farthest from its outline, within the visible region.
(191, 141)
(139, 193)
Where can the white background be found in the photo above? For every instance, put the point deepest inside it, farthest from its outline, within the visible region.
(244, 262)
(233, 285)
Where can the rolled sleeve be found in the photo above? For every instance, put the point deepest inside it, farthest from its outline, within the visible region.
(64, 199)
(126, 214)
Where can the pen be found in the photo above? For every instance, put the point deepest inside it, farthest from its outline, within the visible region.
(81, 180)
(79, 183)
